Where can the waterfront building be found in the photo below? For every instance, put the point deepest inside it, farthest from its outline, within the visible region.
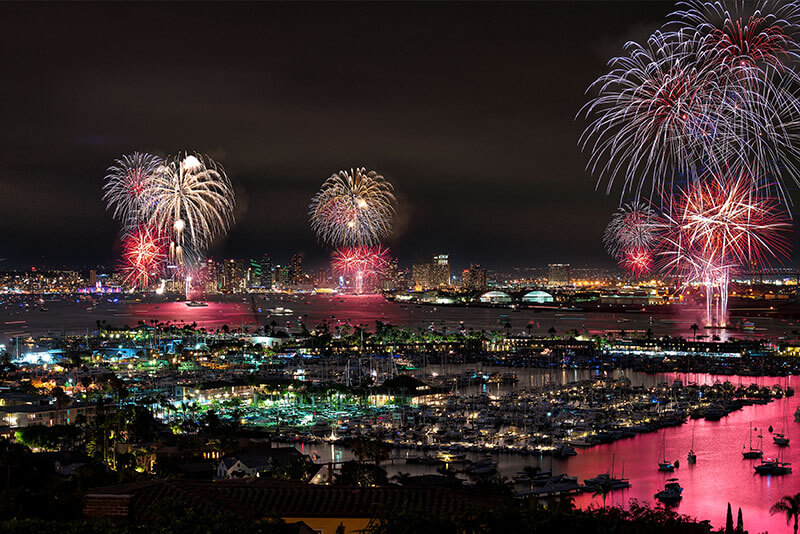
(537, 297)
(495, 297)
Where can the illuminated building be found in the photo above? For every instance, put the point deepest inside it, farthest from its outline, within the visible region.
(254, 275)
(433, 274)
(267, 276)
(474, 278)
(234, 276)
(296, 269)
(558, 274)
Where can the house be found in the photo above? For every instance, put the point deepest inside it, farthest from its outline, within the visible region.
(48, 414)
(258, 460)
(325, 509)
(242, 466)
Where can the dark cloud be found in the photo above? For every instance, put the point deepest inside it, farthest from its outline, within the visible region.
(468, 108)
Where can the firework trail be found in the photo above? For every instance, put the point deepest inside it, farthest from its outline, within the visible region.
(143, 257)
(364, 264)
(353, 209)
(190, 198)
(125, 188)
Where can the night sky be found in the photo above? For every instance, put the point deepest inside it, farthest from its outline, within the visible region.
(467, 108)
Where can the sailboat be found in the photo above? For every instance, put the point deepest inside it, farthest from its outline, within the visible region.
(664, 465)
(781, 438)
(774, 466)
(751, 453)
(606, 479)
(692, 458)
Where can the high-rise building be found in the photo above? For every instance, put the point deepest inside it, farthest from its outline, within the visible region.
(296, 269)
(282, 276)
(474, 278)
(433, 274)
(234, 276)
(559, 274)
(267, 277)
(254, 275)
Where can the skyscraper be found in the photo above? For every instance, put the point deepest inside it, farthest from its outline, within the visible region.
(254, 275)
(267, 277)
(433, 274)
(296, 269)
(474, 278)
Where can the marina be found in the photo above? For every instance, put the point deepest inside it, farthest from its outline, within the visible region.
(720, 474)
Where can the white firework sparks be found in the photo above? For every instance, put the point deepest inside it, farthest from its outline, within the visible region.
(190, 198)
(125, 188)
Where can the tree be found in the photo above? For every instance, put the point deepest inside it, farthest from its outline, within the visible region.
(602, 489)
(363, 475)
(694, 328)
(790, 506)
(552, 331)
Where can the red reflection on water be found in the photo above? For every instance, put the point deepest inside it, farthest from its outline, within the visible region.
(720, 475)
(212, 316)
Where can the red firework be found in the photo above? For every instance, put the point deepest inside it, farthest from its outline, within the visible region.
(361, 263)
(637, 261)
(749, 43)
(728, 220)
(718, 224)
(143, 257)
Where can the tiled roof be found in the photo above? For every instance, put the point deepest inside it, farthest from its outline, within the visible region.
(255, 498)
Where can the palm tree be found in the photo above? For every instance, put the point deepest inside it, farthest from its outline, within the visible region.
(552, 331)
(790, 506)
(602, 489)
(694, 328)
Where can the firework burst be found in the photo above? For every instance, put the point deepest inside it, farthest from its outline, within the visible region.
(741, 38)
(631, 233)
(363, 264)
(353, 209)
(143, 257)
(125, 188)
(190, 198)
(719, 224)
(655, 115)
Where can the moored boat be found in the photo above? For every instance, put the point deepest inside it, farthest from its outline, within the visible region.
(672, 492)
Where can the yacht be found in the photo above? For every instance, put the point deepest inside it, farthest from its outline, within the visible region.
(671, 493)
(196, 304)
(604, 479)
(773, 467)
(692, 457)
(663, 464)
(781, 439)
(563, 450)
(752, 453)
